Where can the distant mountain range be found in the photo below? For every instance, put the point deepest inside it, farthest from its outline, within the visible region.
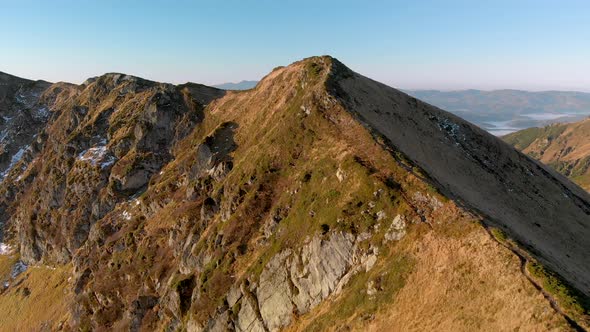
(504, 111)
(243, 85)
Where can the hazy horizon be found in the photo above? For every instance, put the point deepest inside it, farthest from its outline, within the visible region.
(529, 45)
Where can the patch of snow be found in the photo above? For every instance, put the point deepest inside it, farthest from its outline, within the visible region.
(97, 155)
(15, 159)
(108, 162)
(452, 129)
(5, 249)
(93, 155)
(17, 269)
(42, 113)
(3, 135)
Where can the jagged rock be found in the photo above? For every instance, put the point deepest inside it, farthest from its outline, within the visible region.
(234, 295)
(274, 294)
(397, 230)
(320, 267)
(138, 309)
(301, 280)
(248, 320)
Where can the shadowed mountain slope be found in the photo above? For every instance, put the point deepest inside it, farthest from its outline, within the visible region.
(536, 205)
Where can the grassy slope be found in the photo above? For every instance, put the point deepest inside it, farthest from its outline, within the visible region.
(47, 305)
(565, 147)
(286, 163)
(454, 277)
(398, 263)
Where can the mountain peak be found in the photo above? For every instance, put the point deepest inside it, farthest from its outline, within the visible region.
(190, 207)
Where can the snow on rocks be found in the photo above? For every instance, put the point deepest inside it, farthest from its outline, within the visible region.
(18, 268)
(98, 155)
(41, 113)
(3, 135)
(13, 161)
(126, 215)
(5, 249)
(451, 128)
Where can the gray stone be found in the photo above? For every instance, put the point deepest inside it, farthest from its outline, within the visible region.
(247, 318)
(397, 230)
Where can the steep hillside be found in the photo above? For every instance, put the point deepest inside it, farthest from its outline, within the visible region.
(564, 147)
(22, 116)
(320, 200)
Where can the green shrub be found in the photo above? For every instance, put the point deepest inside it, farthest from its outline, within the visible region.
(499, 235)
(568, 297)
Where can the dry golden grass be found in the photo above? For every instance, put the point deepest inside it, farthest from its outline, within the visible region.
(460, 279)
(467, 283)
(45, 308)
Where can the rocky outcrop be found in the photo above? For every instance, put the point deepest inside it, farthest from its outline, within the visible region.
(294, 282)
(23, 114)
(118, 132)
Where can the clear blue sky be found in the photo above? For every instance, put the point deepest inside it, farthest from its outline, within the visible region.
(525, 44)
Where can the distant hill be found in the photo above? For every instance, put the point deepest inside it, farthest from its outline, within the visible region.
(565, 147)
(243, 85)
(504, 111)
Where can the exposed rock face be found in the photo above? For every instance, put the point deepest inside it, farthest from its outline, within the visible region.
(118, 132)
(300, 281)
(294, 282)
(22, 115)
(188, 208)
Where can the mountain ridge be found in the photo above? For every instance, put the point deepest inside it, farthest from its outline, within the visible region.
(188, 207)
(461, 135)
